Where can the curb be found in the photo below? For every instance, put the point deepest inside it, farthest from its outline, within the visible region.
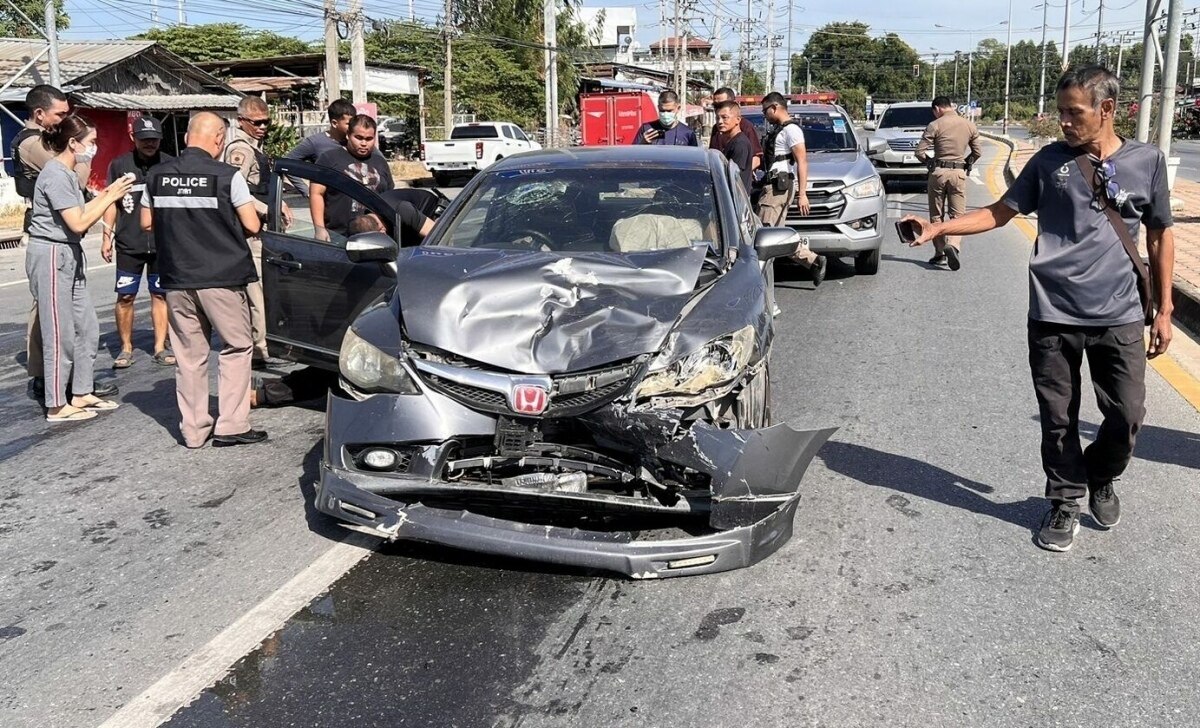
(1185, 295)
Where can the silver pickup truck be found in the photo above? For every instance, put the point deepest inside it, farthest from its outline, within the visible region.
(893, 147)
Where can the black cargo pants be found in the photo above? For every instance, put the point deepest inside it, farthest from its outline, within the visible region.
(1117, 359)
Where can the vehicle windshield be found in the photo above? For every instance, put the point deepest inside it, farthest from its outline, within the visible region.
(593, 209)
(484, 131)
(822, 131)
(913, 116)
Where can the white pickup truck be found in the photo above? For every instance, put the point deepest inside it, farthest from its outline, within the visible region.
(473, 147)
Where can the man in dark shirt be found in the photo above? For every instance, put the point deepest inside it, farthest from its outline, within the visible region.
(312, 147)
(332, 210)
(1084, 291)
(135, 247)
(737, 148)
(719, 137)
(668, 128)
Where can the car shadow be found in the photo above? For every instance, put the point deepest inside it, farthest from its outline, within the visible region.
(919, 479)
(319, 523)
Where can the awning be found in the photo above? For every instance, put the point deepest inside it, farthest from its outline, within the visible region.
(155, 102)
(259, 84)
(692, 110)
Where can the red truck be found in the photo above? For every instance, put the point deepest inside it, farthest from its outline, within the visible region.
(612, 118)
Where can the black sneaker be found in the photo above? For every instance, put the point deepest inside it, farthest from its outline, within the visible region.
(1104, 504)
(818, 270)
(939, 259)
(952, 258)
(1058, 531)
(249, 437)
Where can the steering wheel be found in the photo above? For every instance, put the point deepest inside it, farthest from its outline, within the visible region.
(538, 237)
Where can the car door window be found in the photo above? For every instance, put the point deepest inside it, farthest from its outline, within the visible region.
(507, 130)
(747, 220)
(303, 225)
(519, 135)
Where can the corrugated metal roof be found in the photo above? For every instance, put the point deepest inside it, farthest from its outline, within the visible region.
(178, 102)
(258, 84)
(75, 58)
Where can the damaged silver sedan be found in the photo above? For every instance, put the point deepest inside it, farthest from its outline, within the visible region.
(573, 368)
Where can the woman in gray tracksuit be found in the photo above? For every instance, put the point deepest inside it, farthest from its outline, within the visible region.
(56, 268)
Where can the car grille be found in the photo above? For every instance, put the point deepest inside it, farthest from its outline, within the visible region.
(903, 145)
(825, 202)
(570, 394)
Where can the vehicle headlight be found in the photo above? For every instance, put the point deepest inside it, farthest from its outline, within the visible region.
(371, 370)
(869, 187)
(716, 363)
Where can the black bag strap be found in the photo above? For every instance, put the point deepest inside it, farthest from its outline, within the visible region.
(1118, 224)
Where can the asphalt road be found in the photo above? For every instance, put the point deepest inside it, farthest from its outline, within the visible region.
(911, 594)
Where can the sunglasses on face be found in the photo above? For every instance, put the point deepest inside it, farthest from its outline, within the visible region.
(260, 123)
(767, 109)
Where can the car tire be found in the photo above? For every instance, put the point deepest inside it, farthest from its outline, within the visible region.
(441, 179)
(866, 263)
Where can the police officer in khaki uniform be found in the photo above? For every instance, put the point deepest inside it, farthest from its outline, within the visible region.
(244, 151)
(954, 143)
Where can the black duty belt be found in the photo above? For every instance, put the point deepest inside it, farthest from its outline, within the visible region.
(949, 165)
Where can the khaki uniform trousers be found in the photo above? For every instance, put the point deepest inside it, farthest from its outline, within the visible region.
(772, 210)
(258, 306)
(947, 200)
(193, 315)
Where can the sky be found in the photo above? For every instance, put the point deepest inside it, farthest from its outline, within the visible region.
(914, 20)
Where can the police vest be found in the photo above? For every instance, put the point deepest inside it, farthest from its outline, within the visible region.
(768, 145)
(24, 177)
(197, 232)
(258, 188)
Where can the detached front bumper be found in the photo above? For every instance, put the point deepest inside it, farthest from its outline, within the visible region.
(755, 476)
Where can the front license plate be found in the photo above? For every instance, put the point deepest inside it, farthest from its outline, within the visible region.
(803, 241)
(910, 159)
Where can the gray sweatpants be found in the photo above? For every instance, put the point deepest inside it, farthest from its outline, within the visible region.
(70, 332)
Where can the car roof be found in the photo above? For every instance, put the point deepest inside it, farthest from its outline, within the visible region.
(577, 157)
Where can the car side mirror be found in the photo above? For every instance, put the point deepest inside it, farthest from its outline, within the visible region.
(877, 146)
(776, 242)
(374, 246)
(870, 126)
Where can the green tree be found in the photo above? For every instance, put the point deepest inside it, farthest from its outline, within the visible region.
(753, 83)
(224, 41)
(845, 56)
(12, 25)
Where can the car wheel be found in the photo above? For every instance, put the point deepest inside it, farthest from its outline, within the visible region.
(867, 263)
(753, 409)
(441, 179)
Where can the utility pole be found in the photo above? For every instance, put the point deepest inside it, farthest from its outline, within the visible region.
(746, 47)
(180, 14)
(1099, 32)
(957, 55)
(1008, 67)
(52, 38)
(1066, 49)
(933, 90)
(1042, 84)
(333, 66)
(448, 100)
(1170, 76)
(1146, 88)
(789, 48)
(808, 89)
(358, 54)
(678, 66)
(970, 67)
(550, 12)
(770, 85)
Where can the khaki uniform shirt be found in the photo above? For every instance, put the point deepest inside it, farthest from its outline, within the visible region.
(240, 153)
(34, 156)
(950, 137)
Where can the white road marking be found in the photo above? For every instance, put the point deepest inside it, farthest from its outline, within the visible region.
(210, 663)
(25, 281)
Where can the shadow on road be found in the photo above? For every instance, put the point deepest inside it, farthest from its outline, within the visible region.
(920, 263)
(922, 480)
(1160, 445)
(159, 404)
(318, 522)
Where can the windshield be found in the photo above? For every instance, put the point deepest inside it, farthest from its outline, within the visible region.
(486, 131)
(822, 130)
(593, 209)
(911, 116)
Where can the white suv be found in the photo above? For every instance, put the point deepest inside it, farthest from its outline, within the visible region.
(893, 147)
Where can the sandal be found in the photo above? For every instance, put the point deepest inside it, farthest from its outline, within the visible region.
(164, 358)
(98, 405)
(73, 415)
(124, 360)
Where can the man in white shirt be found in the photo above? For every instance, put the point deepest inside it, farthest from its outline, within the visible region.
(787, 177)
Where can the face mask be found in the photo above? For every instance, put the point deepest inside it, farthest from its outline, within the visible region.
(88, 153)
(666, 118)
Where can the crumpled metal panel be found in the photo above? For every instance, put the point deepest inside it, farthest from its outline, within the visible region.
(544, 313)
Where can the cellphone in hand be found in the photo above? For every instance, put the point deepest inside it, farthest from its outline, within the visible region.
(907, 231)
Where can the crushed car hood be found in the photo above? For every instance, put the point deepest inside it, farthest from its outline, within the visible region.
(543, 313)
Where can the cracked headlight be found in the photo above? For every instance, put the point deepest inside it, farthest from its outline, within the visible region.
(371, 370)
(869, 187)
(717, 363)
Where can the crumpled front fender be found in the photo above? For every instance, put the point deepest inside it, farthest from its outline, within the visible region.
(754, 472)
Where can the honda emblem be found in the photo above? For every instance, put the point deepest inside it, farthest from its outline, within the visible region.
(529, 399)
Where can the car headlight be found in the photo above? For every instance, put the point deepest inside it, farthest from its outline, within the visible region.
(371, 370)
(869, 187)
(716, 363)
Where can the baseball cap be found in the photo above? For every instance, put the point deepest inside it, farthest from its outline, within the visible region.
(147, 127)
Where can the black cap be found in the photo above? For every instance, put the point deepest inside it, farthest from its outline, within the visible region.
(147, 127)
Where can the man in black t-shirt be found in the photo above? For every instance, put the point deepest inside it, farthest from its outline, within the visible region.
(332, 211)
(135, 253)
(737, 148)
